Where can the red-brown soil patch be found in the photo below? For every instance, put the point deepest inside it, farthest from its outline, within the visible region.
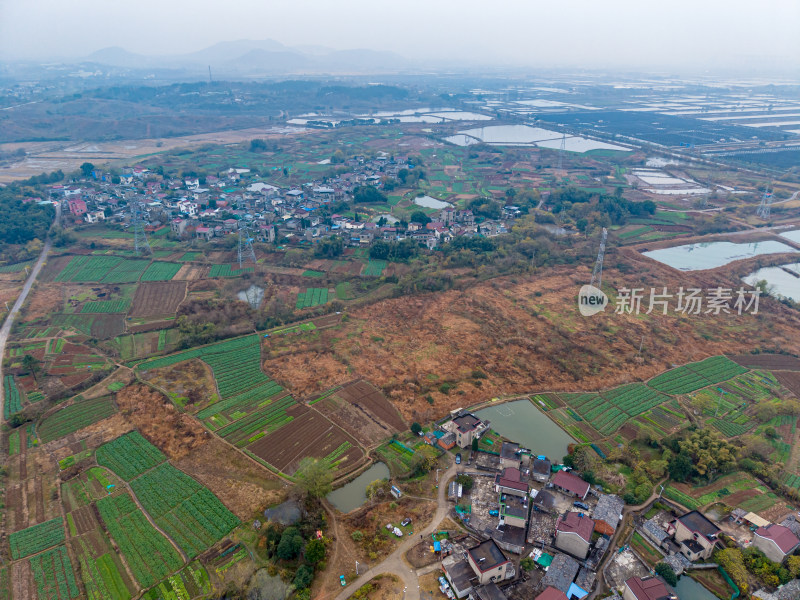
(174, 433)
(780, 362)
(526, 334)
(790, 380)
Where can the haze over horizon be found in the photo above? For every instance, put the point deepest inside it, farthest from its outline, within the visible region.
(617, 34)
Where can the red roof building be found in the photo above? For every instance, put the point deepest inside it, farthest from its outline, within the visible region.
(571, 484)
(649, 588)
(776, 541)
(552, 593)
(77, 207)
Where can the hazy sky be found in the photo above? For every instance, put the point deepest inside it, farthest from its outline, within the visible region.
(591, 33)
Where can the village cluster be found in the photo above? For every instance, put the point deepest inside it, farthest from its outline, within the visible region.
(215, 206)
(521, 505)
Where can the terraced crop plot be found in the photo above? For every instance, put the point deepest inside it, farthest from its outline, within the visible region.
(375, 268)
(37, 538)
(245, 391)
(126, 271)
(148, 553)
(188, 256)
(77, 416)
(88, 268)
(191, 582)
(312, 297)
(188, 512)
(399, 459)
(606, 412)
(753, 386)
(129, 455)
(101, 326)
(101, 571)
(228, 271)
(53, 574)
(158, 298)
(362, 410)
(731, 427)
(309, 434)
(161, 271)
(13, 401)
(696, 375)
(106, 306)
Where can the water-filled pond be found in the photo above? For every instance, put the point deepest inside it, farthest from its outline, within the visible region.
(780, 282)
(710, 255)
(429, 202)
(252, 295)
(689, 589)
(522, 422)
(352, 495)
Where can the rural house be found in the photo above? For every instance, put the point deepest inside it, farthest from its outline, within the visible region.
(541, 469)
(776, 541)
(647, 588)
(574, 534)
(488, 562)
(561, 572)
(695, 535)
(552, 593)
(466, 427)
(510, 482)
(607, 514)
(510, 455)
(571, 484)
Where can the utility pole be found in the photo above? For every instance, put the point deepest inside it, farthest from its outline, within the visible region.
(597, 273)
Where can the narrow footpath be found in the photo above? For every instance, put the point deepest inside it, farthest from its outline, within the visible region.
(5, 331)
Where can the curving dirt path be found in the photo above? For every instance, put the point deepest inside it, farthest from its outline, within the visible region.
(395, 563)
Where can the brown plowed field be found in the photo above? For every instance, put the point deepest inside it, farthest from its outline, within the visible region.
(107, 326)
(780, 362)
(309, 434)
(52, 268)
(790, 380)
(158, 298)
(22, 580)
(190, 272)
(363, 411)
(84, 520)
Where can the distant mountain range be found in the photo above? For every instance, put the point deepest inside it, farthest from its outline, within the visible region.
(255, 57)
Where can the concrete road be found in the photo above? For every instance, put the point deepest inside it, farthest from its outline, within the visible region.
(6, 329)
(395, 563)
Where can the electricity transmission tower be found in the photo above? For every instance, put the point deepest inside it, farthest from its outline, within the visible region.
(140, 243)
(597, 273)
(562, 150)
(766, 204)
(245, 245)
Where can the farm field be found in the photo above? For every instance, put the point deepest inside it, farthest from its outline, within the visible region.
(188, 512)
(308, 434)
(312, 297)
(13, 400)
(101, 570)
(148, 553)
(129, 455)
(53, 575)
(37, 538)
(397, 456)
(694, 376)
(362, 410)
(74, 417)
(161, 271)
(228, 271)
(250, 404)
(158, 298)
(190, 582)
